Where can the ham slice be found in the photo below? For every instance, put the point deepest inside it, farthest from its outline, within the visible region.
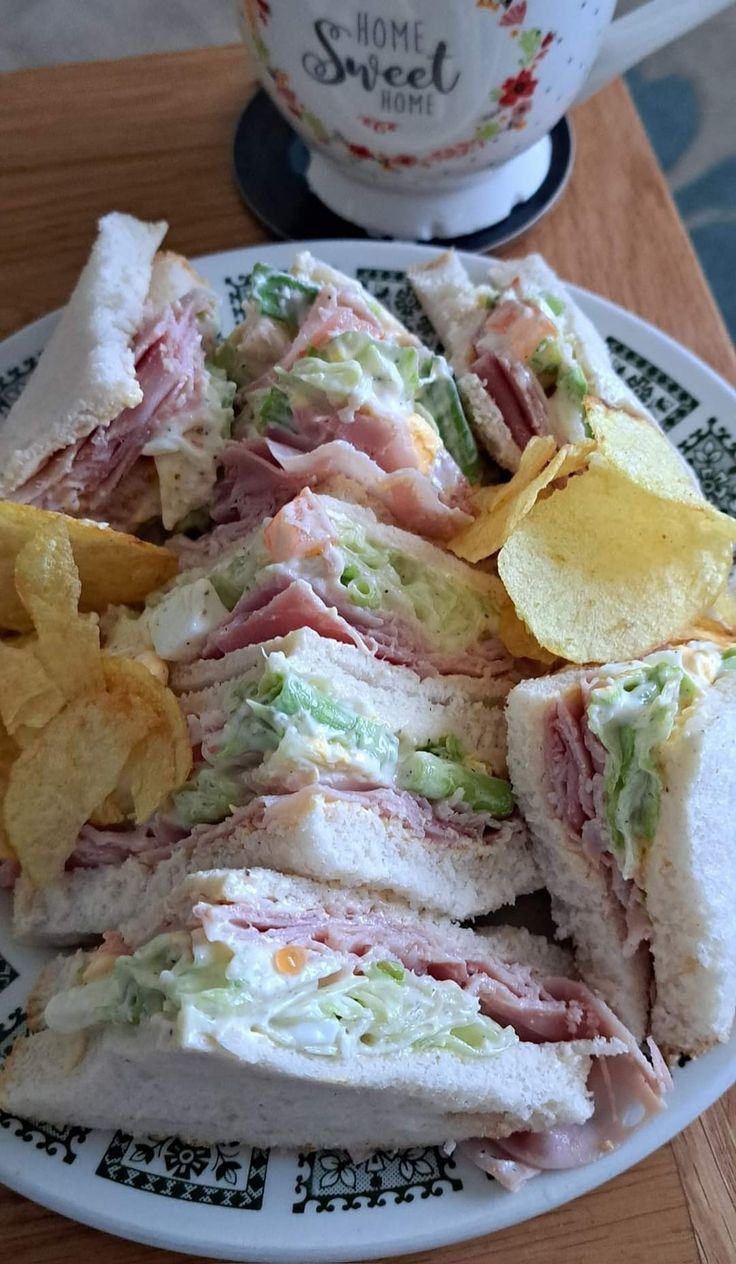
(384, 438)
(281, 605)
(575, 763)
(491, 1157)
(333, 312)
(150, 843)
(86, 477)
(261, 475)
(296, 606)
(516, 391)
(457, 827)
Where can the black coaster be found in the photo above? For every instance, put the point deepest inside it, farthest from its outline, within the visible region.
(270, 161)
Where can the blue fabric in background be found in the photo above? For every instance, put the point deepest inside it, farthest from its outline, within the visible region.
(672, 115)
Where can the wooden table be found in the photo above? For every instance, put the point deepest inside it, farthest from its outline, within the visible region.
(152, 136)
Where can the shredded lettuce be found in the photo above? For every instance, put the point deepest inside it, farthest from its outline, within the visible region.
(239, 571)
(208, 797)
(633, 712)
(452, 616)
(272, 408)
(295, 722)
(285, 731)
(439, 396)
(393, 369)
(351, 371)
(280, 295)
(313, 382)
(440, 777)
(224, 995)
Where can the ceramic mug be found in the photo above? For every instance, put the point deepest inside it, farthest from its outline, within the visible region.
(430, 118)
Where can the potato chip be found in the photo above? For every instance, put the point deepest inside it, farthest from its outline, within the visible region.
(108, 813)
(603, 569)
(470, 543)
(513, 500)
(642, 453)
(46, 580)
(8, 753)
(723, 610)
(115, 569)
(56, 783)
(163, 759)
(519, 641)
(28, 695)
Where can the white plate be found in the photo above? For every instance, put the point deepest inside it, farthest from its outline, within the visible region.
(242, 1204)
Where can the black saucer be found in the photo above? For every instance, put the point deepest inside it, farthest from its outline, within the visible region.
(270, 161)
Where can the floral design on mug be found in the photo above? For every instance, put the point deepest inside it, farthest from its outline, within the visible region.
(378, 125)
(511, 102)
(516, 93)
(257, 13)
(514, 15)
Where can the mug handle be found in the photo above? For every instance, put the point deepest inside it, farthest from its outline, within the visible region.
(631, 38)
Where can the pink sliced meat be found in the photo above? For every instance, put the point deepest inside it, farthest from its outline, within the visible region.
(384, 438)
(626, 1090)
(296, 606)
(208, 548)
(574, 760)
(456, 828)
(282, 605)
(491, 1157)
(516, 391)
(331, 313)
(261, 475)
(169, 364)
(568, 762)
(150, 843)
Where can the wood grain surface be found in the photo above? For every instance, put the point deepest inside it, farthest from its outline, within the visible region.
(152, 136)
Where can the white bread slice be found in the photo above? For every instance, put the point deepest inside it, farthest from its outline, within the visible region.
(143, 1082)
(172, 276)
(454, 305)
(690, 878)
(424, 709)
(86, 375)
(487, 422)
(330, 840)
(583, 907)
(139, 1080)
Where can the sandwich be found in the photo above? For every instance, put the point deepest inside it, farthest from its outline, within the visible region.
(331, 566)
(333, 392)
(126, 412)
(278, 1012)
(312, 757)
(625, 775)
(524, 354)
